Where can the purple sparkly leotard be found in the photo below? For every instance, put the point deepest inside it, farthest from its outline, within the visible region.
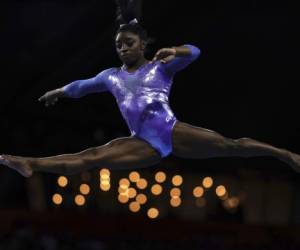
(142, 97)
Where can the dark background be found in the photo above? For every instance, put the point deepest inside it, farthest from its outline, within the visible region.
(244, 84)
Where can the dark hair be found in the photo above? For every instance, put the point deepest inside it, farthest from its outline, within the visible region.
(127, 10)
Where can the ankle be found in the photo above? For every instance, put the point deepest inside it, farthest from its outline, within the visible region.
(285, 156)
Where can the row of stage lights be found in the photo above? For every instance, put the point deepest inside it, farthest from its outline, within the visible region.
(133, 187)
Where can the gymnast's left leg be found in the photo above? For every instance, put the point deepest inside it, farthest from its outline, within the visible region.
(120, 153)
(196, 142)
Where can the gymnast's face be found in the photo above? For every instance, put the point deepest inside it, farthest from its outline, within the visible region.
(130, 47)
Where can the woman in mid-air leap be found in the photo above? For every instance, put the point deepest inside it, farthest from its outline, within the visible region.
(141, 88)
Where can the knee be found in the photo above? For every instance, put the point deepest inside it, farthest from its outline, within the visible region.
(92, 155)
(230, 144)
(242, 142)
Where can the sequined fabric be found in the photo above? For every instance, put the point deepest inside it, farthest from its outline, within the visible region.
(142, 97)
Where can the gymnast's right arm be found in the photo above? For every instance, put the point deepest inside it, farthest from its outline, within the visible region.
(76, 89)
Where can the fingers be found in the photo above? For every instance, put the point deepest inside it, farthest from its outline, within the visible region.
(164, 55)
(49, 102)
(41, 98)
(156, 56)
(44, 97)
(52, 102)
(159, 55)
(50, 98)
(167, 59)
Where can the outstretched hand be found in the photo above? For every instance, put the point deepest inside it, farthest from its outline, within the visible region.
(165, 55)
(51, 97)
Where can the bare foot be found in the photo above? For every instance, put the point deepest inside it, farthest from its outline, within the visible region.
(294, 161)
(17, 163)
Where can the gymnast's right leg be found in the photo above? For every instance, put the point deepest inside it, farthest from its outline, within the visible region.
(120, 153)
(196, 142)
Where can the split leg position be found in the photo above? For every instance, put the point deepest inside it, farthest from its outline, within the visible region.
(128, 152)
(120, 153)
(196, 142)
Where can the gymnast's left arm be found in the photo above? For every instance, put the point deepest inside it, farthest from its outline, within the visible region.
(177, 58)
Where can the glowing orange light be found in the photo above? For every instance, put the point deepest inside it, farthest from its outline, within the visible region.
(220, 190)
(123, 189)
(233, 202)
(104, 187)
(123, 198)
(57, 199)
(134, 176)
(153, 213)
(105, 177)
(105, 182)
(104, 171)
(124, 182)
(79, 200)
(84, 189)
(175, 202)
(156, 189)
(175, 192)
(134, 206)
(142, 183)
(198, 191)
(131, 192)
(141, 198)
(177, 180)
(160, 177)
(62, 181)
(207, 182)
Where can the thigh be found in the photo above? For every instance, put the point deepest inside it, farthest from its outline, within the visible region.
(129, 152)
(196, 142)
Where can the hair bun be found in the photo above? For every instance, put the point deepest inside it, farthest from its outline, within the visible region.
(127, 10)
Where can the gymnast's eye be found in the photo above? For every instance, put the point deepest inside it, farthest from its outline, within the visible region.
(129, 42)
(119, 45)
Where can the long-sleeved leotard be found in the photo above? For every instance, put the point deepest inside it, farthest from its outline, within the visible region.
(142, 97)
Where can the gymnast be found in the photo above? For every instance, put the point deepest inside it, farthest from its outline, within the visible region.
(141, 88)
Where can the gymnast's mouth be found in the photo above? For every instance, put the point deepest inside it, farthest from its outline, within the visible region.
(125, 55)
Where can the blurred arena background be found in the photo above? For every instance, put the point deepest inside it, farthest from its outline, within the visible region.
(243, 85)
